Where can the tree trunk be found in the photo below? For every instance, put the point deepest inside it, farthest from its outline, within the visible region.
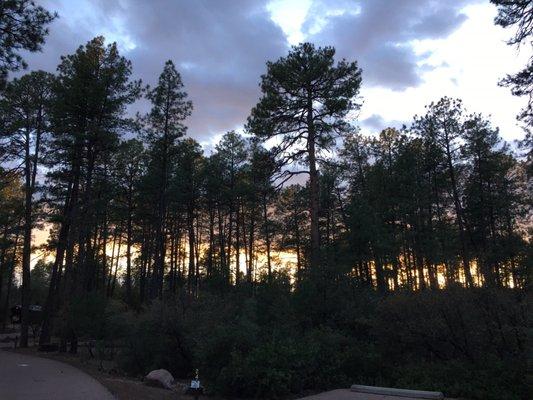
(26, 250)
(249, 274)
(211, 240)
(267, 237)
(313, 187)
(191, 272)
(222, 255)
(113, 281)
(10, 275)
(129, 239)
(237, 244)
(459, 217)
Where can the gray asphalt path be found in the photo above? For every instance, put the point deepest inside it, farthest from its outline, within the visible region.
(25, 377)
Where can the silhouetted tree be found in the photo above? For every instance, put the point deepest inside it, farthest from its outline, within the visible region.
(163, 127)
(443, 125)
(25, 107)
(519, 14)
(91, 93)
(129, 167)
(305, 102)
(23, 26)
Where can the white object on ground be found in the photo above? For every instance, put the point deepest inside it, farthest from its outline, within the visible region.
(195, 384)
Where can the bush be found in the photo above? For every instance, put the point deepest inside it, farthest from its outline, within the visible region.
(283, 365)
(261, 343)
(492, 380)
(468, 343)
(156, 339)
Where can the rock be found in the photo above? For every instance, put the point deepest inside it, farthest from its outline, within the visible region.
(160, 378)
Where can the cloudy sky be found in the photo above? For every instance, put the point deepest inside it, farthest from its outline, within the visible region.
(412, 52)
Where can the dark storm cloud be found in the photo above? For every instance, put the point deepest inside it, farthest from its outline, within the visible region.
(376, 123)
(63, 39)
(221, 46)
(378, 33)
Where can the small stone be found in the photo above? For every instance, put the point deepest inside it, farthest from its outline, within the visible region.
(160, 378)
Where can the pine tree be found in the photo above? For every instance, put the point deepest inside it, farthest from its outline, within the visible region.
(23, 26)
(163, 127)
(443, 125)
(519, 14)
(91, 93)
(186, 189)
(305, 102)
(25, 106)
(128, 169)
(232, 155)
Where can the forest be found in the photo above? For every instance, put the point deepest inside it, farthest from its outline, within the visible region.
(294, 255)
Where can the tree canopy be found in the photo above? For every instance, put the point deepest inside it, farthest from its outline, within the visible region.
(23, 26)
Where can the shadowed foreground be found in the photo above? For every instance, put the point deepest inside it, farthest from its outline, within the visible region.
(347, 394)
(25, 377)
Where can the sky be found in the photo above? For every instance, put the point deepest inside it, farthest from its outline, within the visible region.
(412, 52)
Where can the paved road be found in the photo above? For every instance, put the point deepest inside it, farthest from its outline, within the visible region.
(25, 377)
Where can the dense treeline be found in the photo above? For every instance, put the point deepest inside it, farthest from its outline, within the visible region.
(291, 256)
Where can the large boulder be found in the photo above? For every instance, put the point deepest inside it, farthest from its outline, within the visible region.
(160, 378)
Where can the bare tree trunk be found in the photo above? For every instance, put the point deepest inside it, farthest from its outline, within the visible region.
(26, 250)
(249, 273)
(129, 242)
(229, 244)
(3, 256)
(222, 255)
(10, 275)
(191, 271)
(237, 244)
(173, 257)
(267, 237)
(211, 240)
(114, 280)
(198, 240)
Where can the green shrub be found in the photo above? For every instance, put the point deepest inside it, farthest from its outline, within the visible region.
(492, 380)
(156, 339)
(466, 343)
(276, 366)
(261, 343)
